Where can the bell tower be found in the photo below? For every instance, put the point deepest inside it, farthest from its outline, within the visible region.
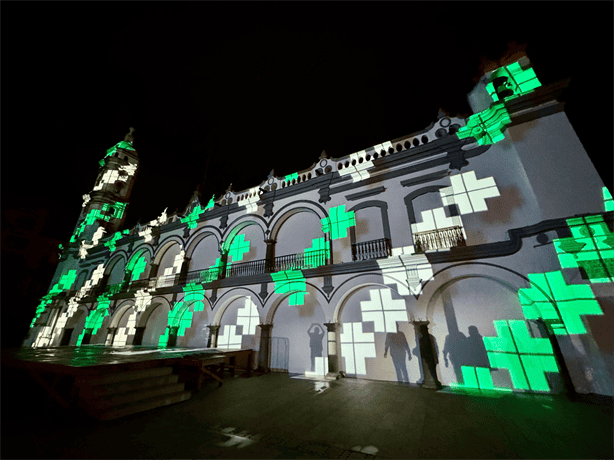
(105, 206)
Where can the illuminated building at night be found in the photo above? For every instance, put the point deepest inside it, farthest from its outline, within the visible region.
(475, 253)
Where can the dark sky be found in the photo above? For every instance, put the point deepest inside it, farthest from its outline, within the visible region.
(257, 86)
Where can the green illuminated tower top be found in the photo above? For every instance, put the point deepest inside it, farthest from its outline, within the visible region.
(105, 206)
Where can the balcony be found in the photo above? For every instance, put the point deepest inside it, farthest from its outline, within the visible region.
(443, 238)
(375, 249)
(255, 267)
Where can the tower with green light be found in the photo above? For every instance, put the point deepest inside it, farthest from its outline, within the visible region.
(105, 206)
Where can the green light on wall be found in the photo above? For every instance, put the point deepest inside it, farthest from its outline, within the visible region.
(120, 145)
(316, 255)
(116, 236)
(192, 217)
(511, 81)
(486, 127)
(338, 221)
(291, 281)
(591, 247)
(118, 209)
(65, 283)
(289, 177)
(94, 320)
(525, 357)
(607, 200)
(477, 378)
(238, 248)
(136, 267)
(572, 302)
(211, 203)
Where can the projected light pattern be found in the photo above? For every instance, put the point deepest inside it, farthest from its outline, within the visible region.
(511, 81)
(116, 236)
(572, 301)
(229, 338)
(214, 271)
(118, 209)
(192, 217)
(469, 193)
(383, 310)
(487, 126)
(356, 168)
(478, 378)
(338, 222)
(95, 318)
(86, 200)
(591, 247)
(177, 264)
(65, 283)
(248, 317)
(526, 358)
(181, 316)
(291, 281)
(607, 199)
(314, 256)
(289, 177)
(120, 145)
(136, 267)
(250, 200)
(238, 248)
(356, 347)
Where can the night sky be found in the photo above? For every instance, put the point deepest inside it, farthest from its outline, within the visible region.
(248, 87)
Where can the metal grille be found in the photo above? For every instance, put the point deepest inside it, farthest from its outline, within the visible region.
(443, 238)
(375, 249)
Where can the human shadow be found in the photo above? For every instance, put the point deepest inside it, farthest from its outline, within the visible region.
(477, 355)
(315, 343)
(396, 342)
(454, 351)
(427, 351)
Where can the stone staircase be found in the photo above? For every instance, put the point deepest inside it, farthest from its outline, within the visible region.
(128, 392)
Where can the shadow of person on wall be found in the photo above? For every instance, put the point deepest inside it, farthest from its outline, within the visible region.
(427, 351)
(396, 342)
(315, 343)
(476, 350)
(455, 349)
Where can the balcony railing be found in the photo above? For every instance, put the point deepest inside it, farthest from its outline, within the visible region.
(443, 238)
(255, 267)
(375, 249)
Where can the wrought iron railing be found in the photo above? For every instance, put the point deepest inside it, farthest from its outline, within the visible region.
(375, 249)
(255, 267)
(442, 238)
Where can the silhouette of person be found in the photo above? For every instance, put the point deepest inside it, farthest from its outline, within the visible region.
(476, 350)
(429, 351)
(399, 349)
(315, 342)
(455, 347)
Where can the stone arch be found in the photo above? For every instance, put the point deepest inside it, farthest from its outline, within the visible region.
(75, 318)
(342, 299)
(284, 214)
(239, 224)
(153, 304)
(229, 297)
(276, 302)
(198, 236)
(120, 310)
(82, 277)
(383, 206)
(164, 246)
(142, 249)
(118, 256)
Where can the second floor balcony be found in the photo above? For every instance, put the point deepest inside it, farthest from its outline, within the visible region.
(443, 238)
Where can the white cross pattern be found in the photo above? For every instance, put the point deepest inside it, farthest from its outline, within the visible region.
(229, 338)
(356, 346)
(248, 317)
(469, 193)
(383, 310)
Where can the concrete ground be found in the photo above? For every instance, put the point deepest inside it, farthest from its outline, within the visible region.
(276, 416)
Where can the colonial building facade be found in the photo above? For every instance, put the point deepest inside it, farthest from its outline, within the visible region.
(475, 253)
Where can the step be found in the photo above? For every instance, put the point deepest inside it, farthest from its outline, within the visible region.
(116, 377)
(97, 391)
(119, 399)
(142, 406)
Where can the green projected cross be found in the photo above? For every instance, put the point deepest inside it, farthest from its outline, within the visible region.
(289, 177)
(515, 79)
(291, 281)
(120, 145)
(136, 266)
(478, 378)
(238, 247)
(572, 301)
(316, 255)
(525, 357)
(591, 247)
(116, 236)
(118, 209)
(192, 218)
(65, 282)
(211, 203)
(338, 221)
(95, 318)
(487, 126)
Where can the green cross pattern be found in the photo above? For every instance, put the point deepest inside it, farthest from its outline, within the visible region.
(313, 255)
(95, 318)
(518, 80)
(136, 266)
(591, 247)
(238, 247)
(211, 203)
(289, 177)
(487, 126)
(571, 300)
(338, 221)
(118, 209)
(479, 378)
(181, 316)
(290, 281)
(524, 356)
(213, 273)
(121, 145)
(192, 217)
(65, 282)
(116, 236)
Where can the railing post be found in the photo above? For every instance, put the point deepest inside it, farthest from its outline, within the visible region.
(269, 266)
